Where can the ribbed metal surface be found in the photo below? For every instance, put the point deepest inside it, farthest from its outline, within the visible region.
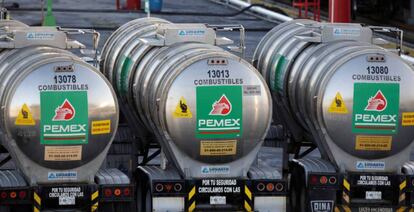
(111, 177)
(59, 113)
(157, 81)
(329, 77)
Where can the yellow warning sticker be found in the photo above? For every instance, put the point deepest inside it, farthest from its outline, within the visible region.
(63, 153)
(182, 110)
(218, 147)
(373, 143)
(25, 117)
(408, 119)
(338, 105)
(101, 127)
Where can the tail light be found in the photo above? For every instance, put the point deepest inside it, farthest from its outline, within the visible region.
(260, 186)
(108, 192)
(13, 194)
(314, 180)
(332, 180)
(178, 187)
(22, 194)
(279, 187)
(270, 187)
(159, 187)
(323, 180)
(3, 195)
(117, 192)
(127, 191)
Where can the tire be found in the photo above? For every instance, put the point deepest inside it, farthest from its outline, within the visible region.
(148, 201)
(298, 196)
(139, 200)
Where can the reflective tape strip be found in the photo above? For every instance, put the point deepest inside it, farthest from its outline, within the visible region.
(247, 206)
(403, 185)
(248, 192)
(94, 207)
(401, 209)
(192, 192)
(37, 199)
(402, 197)
(35, 209)
(346, 185)
(346, 208)
(345, 197)
(95, 195)
(192, 207)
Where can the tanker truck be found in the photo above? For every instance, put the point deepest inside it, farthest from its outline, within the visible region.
(59, 116)
(199, 116)
(335, 89)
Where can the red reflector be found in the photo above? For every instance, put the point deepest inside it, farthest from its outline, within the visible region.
(108, 192)
(3, 195)
(323, 180)
(270, 187)
(117, 192)
(332, 180)
(22, 194)
(13, 194)
(314, 180)
(168, 187)
(127, 192)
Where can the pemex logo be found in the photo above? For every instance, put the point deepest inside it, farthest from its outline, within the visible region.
(377, 102)
(64, 112)
(222, 107)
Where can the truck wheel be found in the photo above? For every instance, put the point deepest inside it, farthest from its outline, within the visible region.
(294, 193)
(148, 201)
(139, 201)
(298, 196)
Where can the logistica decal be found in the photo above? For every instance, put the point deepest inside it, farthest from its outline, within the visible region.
(219, 111)
(64, 117)
(375, 109)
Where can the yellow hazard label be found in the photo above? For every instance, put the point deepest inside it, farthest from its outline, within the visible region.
(373, 143)
(63, 153)
(218, 147)
(101, 127)
(25, 117)
(407, 119)
(182, 110)
(338, 105)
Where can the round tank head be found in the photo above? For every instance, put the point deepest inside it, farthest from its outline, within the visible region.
(367, 106)
(217, 110)
(61, 114)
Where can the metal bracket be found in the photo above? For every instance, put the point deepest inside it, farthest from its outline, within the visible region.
(394, 31)
(229, 28)
(75, 44)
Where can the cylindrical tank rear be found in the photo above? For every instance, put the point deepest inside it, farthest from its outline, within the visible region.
(59, 113)
(349, 94)
(201, 101)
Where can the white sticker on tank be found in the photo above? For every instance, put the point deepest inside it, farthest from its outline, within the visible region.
(252, 90)
(371, 165)
(40, 36)
(62, 175)
(354, 32)
(192, 32)
(215, 170)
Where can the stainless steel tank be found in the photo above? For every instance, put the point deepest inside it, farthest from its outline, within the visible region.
(349, 94)
(59, 114)
(201, 101)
